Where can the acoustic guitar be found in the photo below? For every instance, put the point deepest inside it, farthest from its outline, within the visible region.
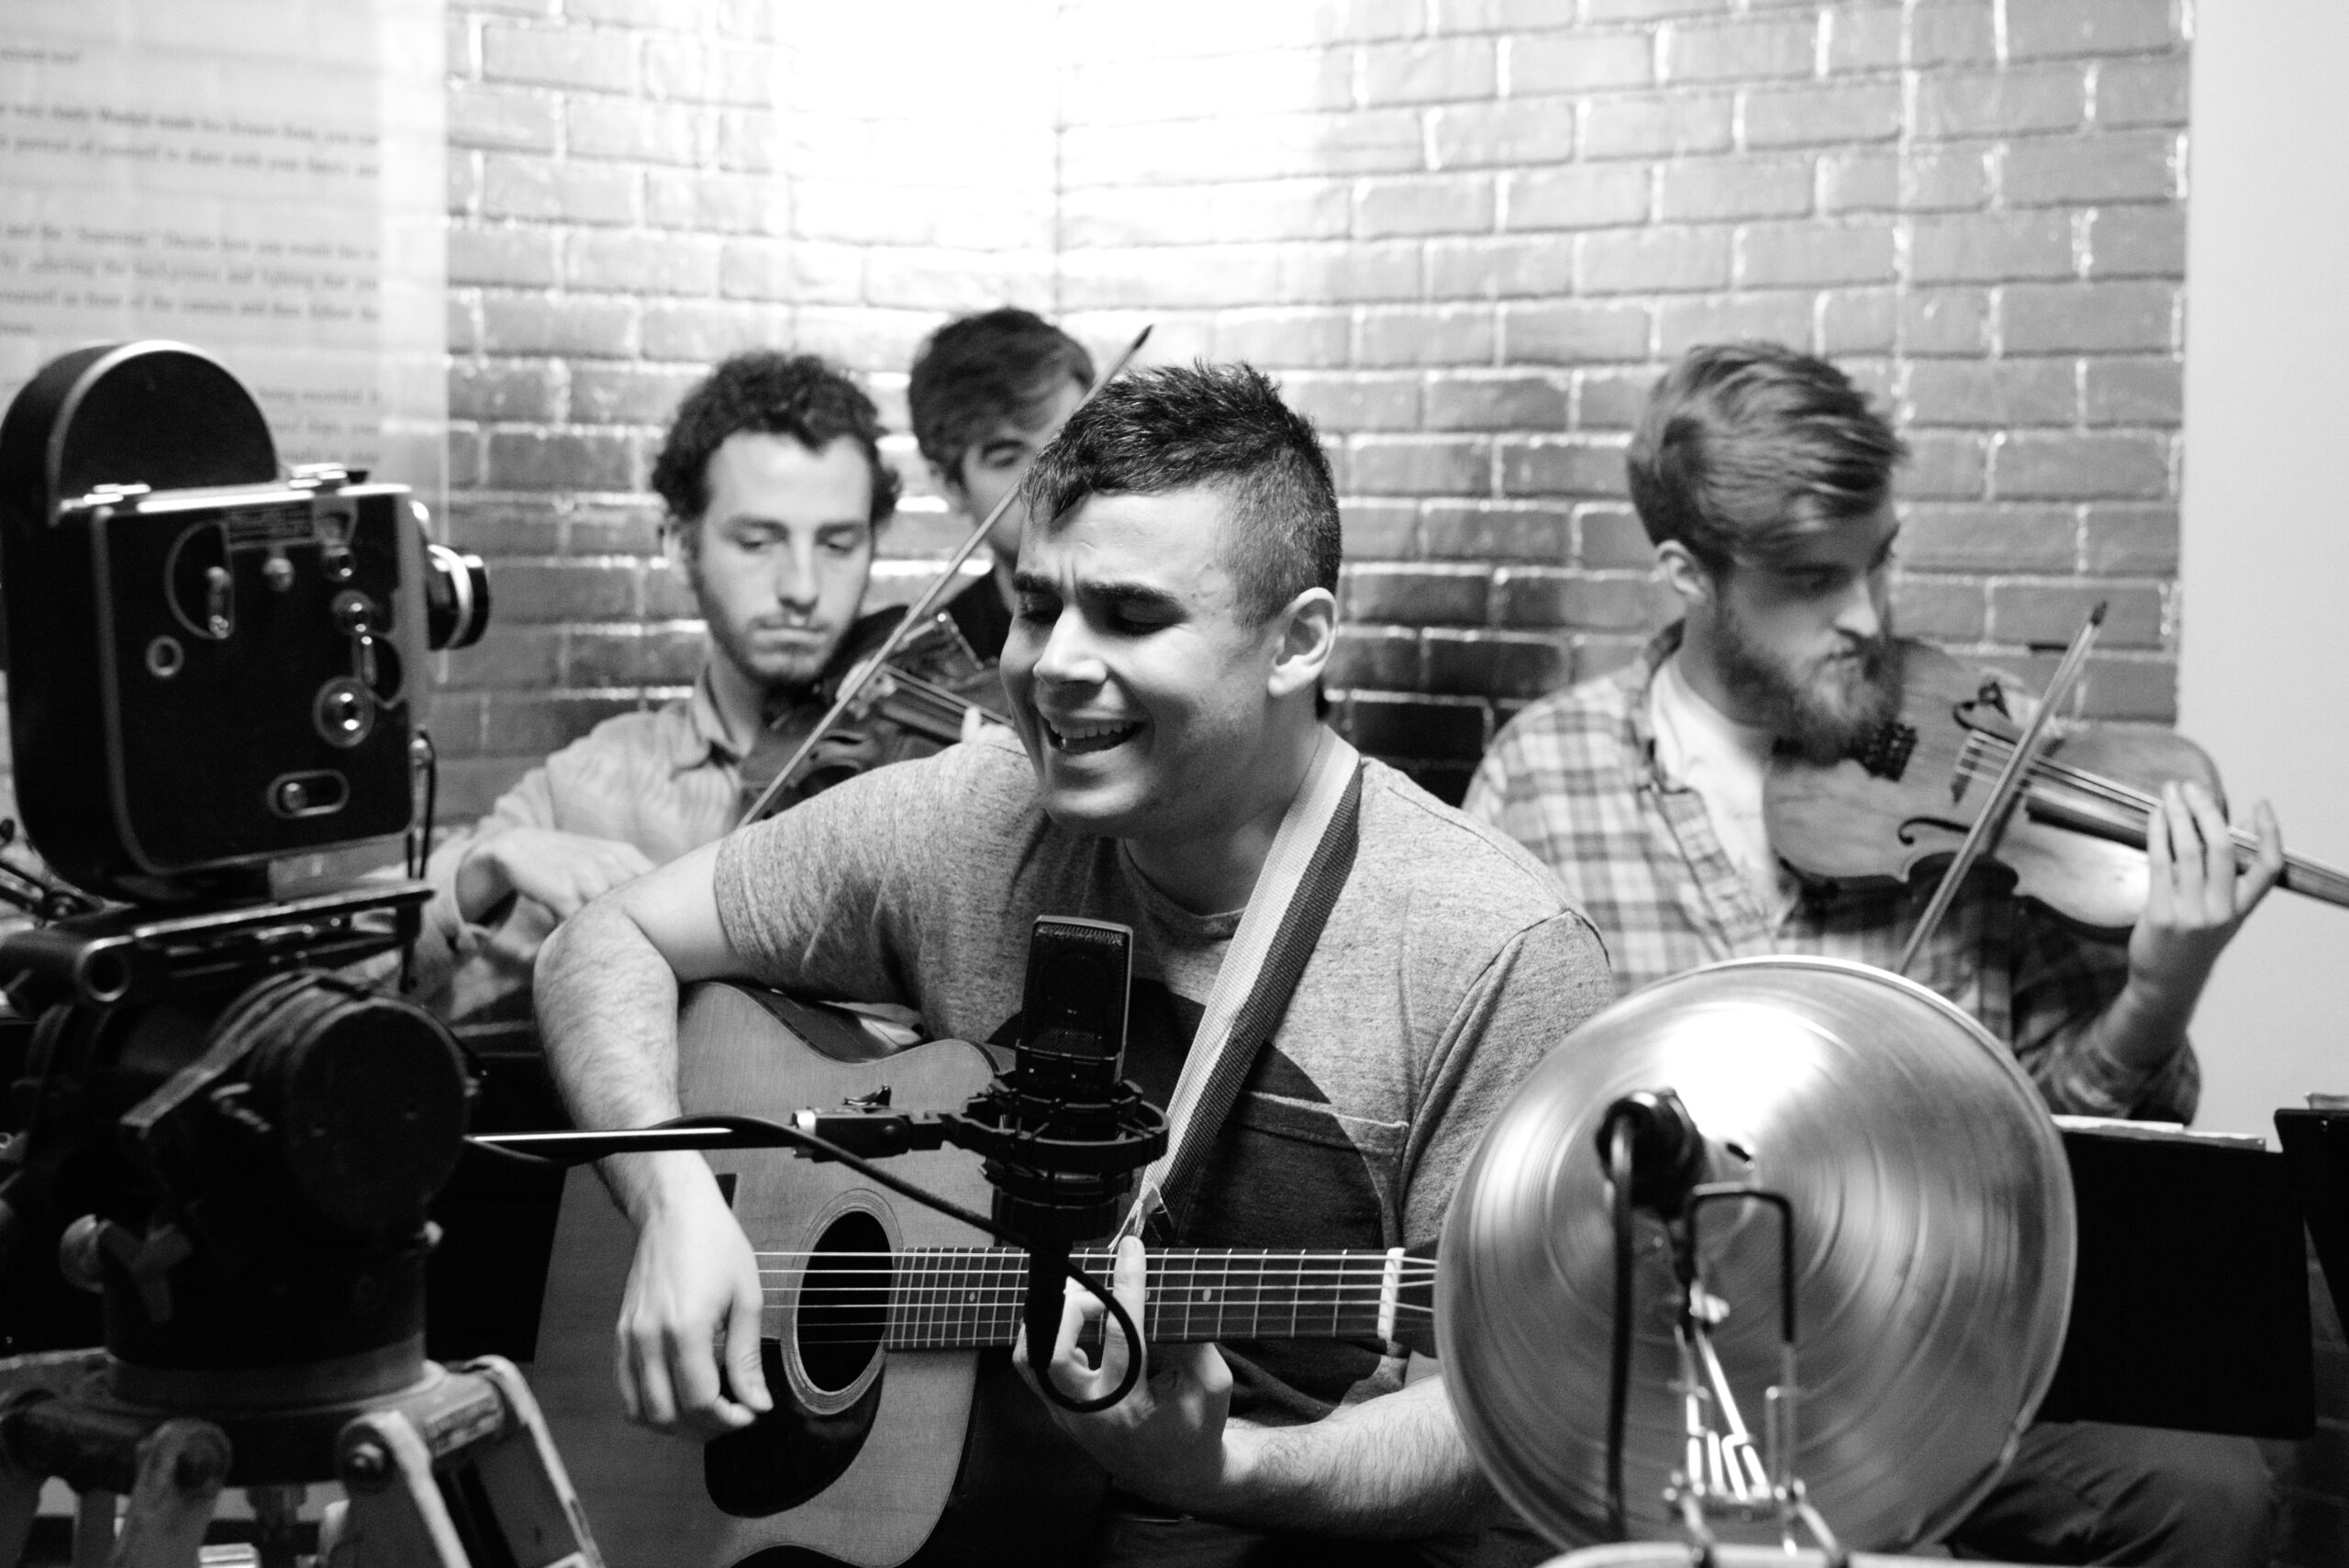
(878, 1315)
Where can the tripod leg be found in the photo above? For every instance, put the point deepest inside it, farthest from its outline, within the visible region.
(518, 1485)
(181, 1466)
(396, 1517)
(94, 1527)
(19, 1501)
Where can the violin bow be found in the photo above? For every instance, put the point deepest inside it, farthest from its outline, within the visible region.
(918, 612)
(2009, 786)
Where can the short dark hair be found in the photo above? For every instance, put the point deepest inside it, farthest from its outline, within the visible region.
(1219, 425)
(979, 371)
(770, 394)
(1746, 448)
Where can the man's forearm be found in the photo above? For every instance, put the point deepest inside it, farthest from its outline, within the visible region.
(608, 1011)
(1393, 1467)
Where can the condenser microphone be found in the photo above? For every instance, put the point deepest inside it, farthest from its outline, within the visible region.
(1064, 1100)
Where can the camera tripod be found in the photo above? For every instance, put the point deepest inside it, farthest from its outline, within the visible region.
(455, 1469)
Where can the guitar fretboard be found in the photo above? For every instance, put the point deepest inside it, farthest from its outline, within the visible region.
(970, 1298)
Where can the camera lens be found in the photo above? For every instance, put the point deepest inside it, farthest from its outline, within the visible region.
(456, 598)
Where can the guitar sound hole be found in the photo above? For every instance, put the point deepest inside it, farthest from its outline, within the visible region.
(844, 1303)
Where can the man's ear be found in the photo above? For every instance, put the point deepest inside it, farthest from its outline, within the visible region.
(1688, 576)
(1308, 636)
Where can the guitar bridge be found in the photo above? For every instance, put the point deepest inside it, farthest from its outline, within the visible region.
(878, 1100)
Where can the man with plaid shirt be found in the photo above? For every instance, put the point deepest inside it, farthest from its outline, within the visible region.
(1764, 481)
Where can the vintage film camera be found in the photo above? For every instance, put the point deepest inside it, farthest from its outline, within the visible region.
(213, 665)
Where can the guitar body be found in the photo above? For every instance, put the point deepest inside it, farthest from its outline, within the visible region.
(859, 1461)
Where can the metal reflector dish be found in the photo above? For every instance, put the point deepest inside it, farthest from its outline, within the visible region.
(1933, 1251)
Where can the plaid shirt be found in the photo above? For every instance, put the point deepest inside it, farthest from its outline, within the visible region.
(1574, 779)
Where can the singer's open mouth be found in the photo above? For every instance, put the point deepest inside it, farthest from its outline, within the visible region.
(1080, 738)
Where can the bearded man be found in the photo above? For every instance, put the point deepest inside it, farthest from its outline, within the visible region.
(1764, 481)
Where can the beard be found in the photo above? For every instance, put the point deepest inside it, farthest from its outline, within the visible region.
(1823, 711)
(782, 670)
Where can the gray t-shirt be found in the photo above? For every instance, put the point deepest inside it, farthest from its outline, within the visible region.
(1449, 966)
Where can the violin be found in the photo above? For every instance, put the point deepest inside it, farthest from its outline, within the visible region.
(913, 705)
(1898, 808)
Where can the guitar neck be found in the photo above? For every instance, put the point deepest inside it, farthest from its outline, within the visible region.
(970, 1298)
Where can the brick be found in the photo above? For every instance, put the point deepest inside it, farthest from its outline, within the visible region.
(2137, 241)
(1445, 335)
(1863, 37)
(807, 272)
(1652, 261)
(1813, 117)
(1993, 393)
(1640, 10)
(1245, 147)
(930, 278)
(1775, 254)
(746, 139)
(1375, 656)
(1695, 189)
(1510, 266)
(1944, 466)
(1418, 596)
(1579, 61)
(1975, 537)
(1865, 180)
(1354, 401)
(2148, 391)
(512, 390)
(518, 186)
(463, 182)
(1189, 215)
(638, 132)
(1496, 532)
(626, 528)
(1512, 131)
(2047, 27)
(1579, 195)
(504, 117)
(636, 13)
(1611, 400)
(1952, 35)
(1651, 125)
(1495, 403)
(2001, 102)
(1415, 726)
(1859, 321)
(865, 340)
(534, 591)
(1575, 600)
(1378, 531)
(1938, 609)
(1112, 91)
(642, 263)
(1199, 276)
(1426, 204)
(1683, 324)
(1944, 321)
(1282, 338)
(1391, 465)
(1946, 179)
(515, 257)
(506, 525)
(2091, 466)
(2053, 613)
(507, 656)
(705, 331)
(1488, 664)
(1347, 272)
(2129, 165)
(692, 72)
(721, 204)
(1564, 466)
(531, 459)
(601, 328)
(1572, 332)
(615, 394)
(2122, 539)
(1429, 71)
(2141, 92)
(1741, 51)
(1608, 537)
(1991, 248)
(2037, 318)
(549, 57)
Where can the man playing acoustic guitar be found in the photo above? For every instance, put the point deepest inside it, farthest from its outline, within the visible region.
(1176, 610)
(1764, 481)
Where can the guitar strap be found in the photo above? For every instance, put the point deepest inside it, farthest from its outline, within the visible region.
(1312, 855)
